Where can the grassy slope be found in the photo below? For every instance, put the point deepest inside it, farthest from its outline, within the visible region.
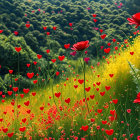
(76, 115)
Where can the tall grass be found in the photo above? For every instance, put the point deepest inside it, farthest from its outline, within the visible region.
(66, 120)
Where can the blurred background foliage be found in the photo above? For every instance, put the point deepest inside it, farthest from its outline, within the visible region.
(133, 6)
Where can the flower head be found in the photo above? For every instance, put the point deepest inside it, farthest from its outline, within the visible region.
(137, 100)
(86, 59)
(80, 46)
(135, 20)
(73, 53)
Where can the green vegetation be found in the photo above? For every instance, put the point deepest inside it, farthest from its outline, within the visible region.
(39, 13)
(133, 6)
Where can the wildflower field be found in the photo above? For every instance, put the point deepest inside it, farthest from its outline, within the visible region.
(69, 70)
(60, 110)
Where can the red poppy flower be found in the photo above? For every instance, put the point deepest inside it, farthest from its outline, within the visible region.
(48, 33)
(137, 100)
(54, 28)
(70, 24)
(44, 27)
(10, 134)
(94, 15)
(80, 46)
(16, 33)
(95, 20)
(109, 132)
(1, 31)
(67, 46)
(10, 71)
(57, 73)
(85, 128)
(135, 20)
(18, 49)
(27, 25)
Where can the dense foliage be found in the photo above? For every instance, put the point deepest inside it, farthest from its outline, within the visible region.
(133, 6)
(60, 14)
(65, 91)
(14, 15)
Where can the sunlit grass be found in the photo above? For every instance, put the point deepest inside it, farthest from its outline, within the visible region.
(75, 114)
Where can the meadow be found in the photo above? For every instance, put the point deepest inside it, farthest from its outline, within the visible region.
(60, 110)
(69, 70)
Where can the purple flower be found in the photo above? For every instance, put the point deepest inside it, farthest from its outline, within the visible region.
(73, 53)
(86, 59)
(119, 6)
(95, 28)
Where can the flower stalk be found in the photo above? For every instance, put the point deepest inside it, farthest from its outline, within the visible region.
(84, 69)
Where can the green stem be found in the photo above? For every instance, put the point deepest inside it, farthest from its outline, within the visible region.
(85, 85)
(81, 64)
(18, 65)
